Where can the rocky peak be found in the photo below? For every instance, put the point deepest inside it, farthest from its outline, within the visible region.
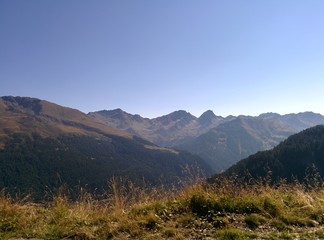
(23, 104)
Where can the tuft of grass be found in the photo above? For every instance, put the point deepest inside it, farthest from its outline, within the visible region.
(278, 224)
(320, 234)
(234, 234)
(169, 233)
(287, 235)
(220, 222)
(186, 221)
(272, 208)
(209, 205)
(254, 220)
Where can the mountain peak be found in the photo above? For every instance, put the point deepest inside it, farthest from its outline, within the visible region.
(178, 115)
(118, 114)
(269, 115)
(208, 113)
(22, 103)
(181, 114)
(208, 118)
(115, 113)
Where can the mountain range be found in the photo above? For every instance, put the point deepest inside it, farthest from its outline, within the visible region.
(44, 145)
(220, 141)
(234, 140)
(169, 130)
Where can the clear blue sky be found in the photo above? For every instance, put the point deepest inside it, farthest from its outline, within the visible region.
(154, 57)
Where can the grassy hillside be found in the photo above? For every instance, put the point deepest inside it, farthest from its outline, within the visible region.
(198, 211)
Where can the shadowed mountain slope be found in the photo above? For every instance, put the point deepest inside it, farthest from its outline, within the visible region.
(295, 158)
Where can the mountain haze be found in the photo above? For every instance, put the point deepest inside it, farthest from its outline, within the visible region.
(169, 130)
(298, 121)
(231, 141)
(220, 141)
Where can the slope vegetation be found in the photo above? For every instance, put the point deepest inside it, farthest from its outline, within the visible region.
(299, 157)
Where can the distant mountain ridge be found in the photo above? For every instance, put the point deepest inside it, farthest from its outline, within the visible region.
(220, 141)
(298, 121)
(168, 130)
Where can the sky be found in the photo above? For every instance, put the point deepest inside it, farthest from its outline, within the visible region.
(234, 57)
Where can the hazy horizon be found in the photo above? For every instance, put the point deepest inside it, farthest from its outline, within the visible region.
(175, 110)
(155, 57)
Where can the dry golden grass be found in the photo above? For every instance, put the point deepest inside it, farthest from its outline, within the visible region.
(198, 210)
